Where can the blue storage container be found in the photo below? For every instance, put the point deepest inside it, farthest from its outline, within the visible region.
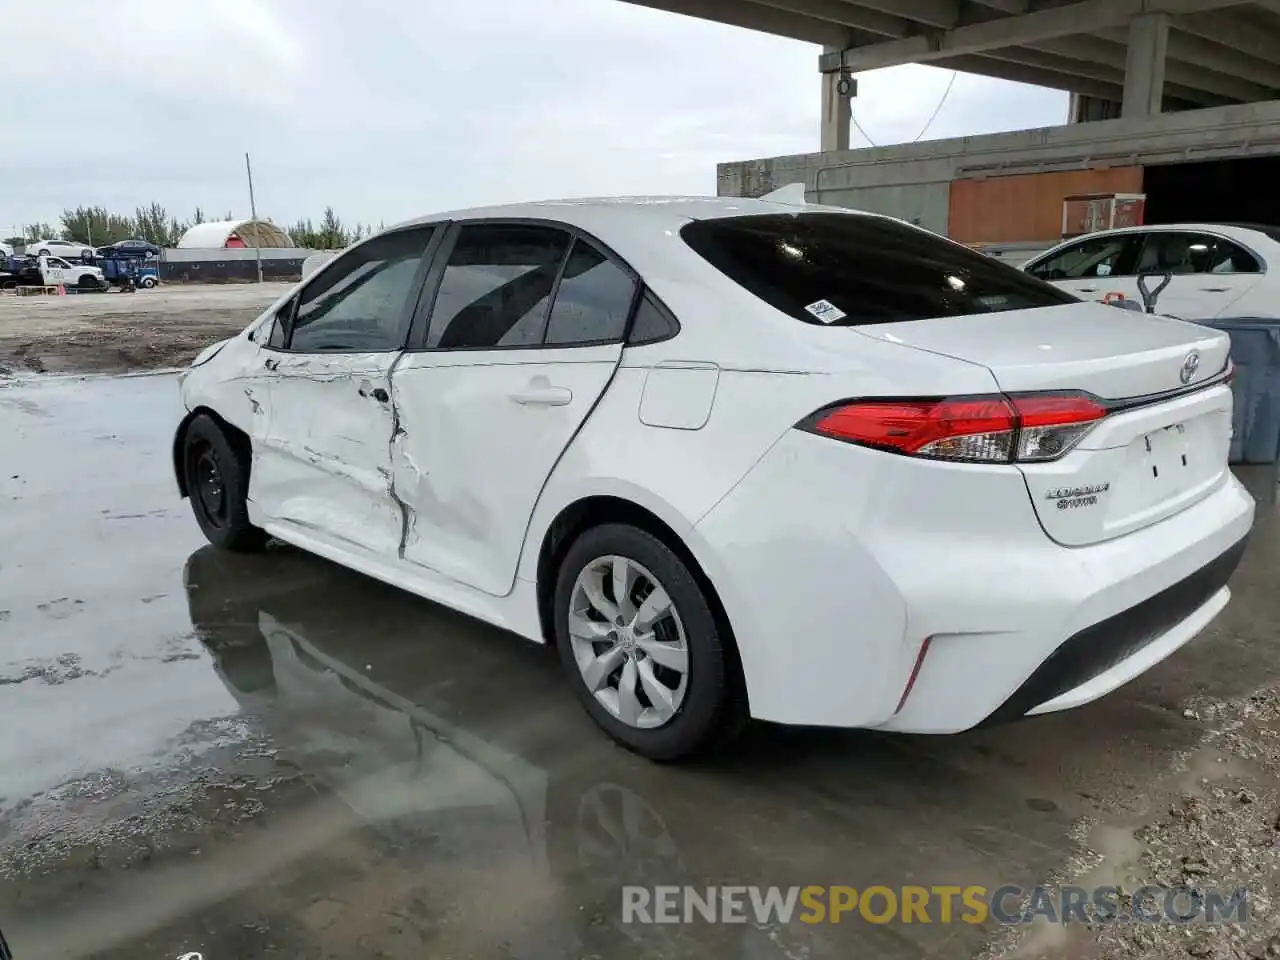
(1255, 350)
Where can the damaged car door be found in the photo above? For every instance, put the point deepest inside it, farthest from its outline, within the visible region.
(323, 462)
(522, 339)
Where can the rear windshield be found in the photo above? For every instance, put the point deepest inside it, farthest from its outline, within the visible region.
(838, 269)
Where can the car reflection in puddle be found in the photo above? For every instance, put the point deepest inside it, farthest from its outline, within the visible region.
(437, 793)
(493, 820)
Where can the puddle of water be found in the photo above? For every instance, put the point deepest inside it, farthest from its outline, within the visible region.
(139, 711)
(1209, 765)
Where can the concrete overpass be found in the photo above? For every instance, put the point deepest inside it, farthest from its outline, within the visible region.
(1130, 58)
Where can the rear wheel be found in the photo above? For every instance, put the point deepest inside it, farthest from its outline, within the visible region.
(218, 487)
(641, 645)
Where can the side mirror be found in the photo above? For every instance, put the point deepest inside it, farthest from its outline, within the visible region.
(1150, 296)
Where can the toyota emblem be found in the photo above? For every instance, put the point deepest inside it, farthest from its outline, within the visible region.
(1189, 367)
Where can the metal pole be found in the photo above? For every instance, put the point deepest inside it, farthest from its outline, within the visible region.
(253, 212)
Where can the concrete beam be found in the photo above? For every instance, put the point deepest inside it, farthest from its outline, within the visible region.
(1186, 82)
(1246, 38)
(845, 14)
(1182, 71)
(1084, 16)
(1021, 73)
(936, 13)
(1066, 66)
(755, 17)
(988, 66)
(1109, 69)
(1206, 54)
(1007, 6)
(1144, 65)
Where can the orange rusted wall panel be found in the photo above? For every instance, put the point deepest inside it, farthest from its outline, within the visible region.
(1027, 207)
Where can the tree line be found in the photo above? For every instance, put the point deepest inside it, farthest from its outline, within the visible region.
(98, 227)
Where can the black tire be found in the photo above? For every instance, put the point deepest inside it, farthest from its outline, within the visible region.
(218, 485)
(713, 710)
(87, 283)
(147, 282)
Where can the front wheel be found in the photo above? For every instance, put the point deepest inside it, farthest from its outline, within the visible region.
(218, 486)
(147, 282)
(642, 647)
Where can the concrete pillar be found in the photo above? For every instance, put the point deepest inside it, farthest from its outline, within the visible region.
(1144, 66)
(835, 112)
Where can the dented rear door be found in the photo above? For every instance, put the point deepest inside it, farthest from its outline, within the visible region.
(523, 339)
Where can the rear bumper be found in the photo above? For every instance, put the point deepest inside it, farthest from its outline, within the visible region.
(1100, 658)
(837, 563)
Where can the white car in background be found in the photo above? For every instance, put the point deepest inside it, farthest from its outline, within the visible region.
(66, 249)
(737, 458)
(1216, 270)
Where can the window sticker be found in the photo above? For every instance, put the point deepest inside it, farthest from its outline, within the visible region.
(826, 311)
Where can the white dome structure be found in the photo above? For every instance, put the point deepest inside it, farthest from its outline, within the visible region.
(234, 234)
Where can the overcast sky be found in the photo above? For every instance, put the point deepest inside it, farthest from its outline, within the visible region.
(388, 109)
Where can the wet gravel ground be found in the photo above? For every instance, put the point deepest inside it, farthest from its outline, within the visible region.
(272, 756)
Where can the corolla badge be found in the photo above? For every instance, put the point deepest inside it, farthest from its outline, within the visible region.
(1189, 367)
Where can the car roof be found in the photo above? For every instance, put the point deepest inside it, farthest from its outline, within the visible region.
(644, 231)
(1237, 230)
(591, 213)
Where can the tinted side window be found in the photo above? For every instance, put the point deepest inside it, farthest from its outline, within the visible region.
(1194, 253)
(836, 269)
(1096, 257)
(362, 303)
(592, 301)
(652, 323)
(496, 286)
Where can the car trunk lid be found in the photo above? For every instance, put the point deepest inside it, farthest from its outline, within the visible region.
(1163, 445)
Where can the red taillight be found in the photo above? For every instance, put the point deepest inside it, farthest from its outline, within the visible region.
(991, 429)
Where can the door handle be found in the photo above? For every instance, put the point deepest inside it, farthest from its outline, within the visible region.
(1088, 289)
(543, 396)
(1214, 289)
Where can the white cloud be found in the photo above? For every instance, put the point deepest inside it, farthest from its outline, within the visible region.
(388, 109)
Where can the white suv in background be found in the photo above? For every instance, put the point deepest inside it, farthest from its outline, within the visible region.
(1216, 270)
(67, 249)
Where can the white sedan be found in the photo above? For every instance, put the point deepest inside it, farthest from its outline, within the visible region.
(737, 459)
(67, 249)
(1216, 271)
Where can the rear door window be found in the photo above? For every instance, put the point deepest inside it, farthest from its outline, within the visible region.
(497, 286)
(834, 269)
(1176, 252)
(592, 301)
